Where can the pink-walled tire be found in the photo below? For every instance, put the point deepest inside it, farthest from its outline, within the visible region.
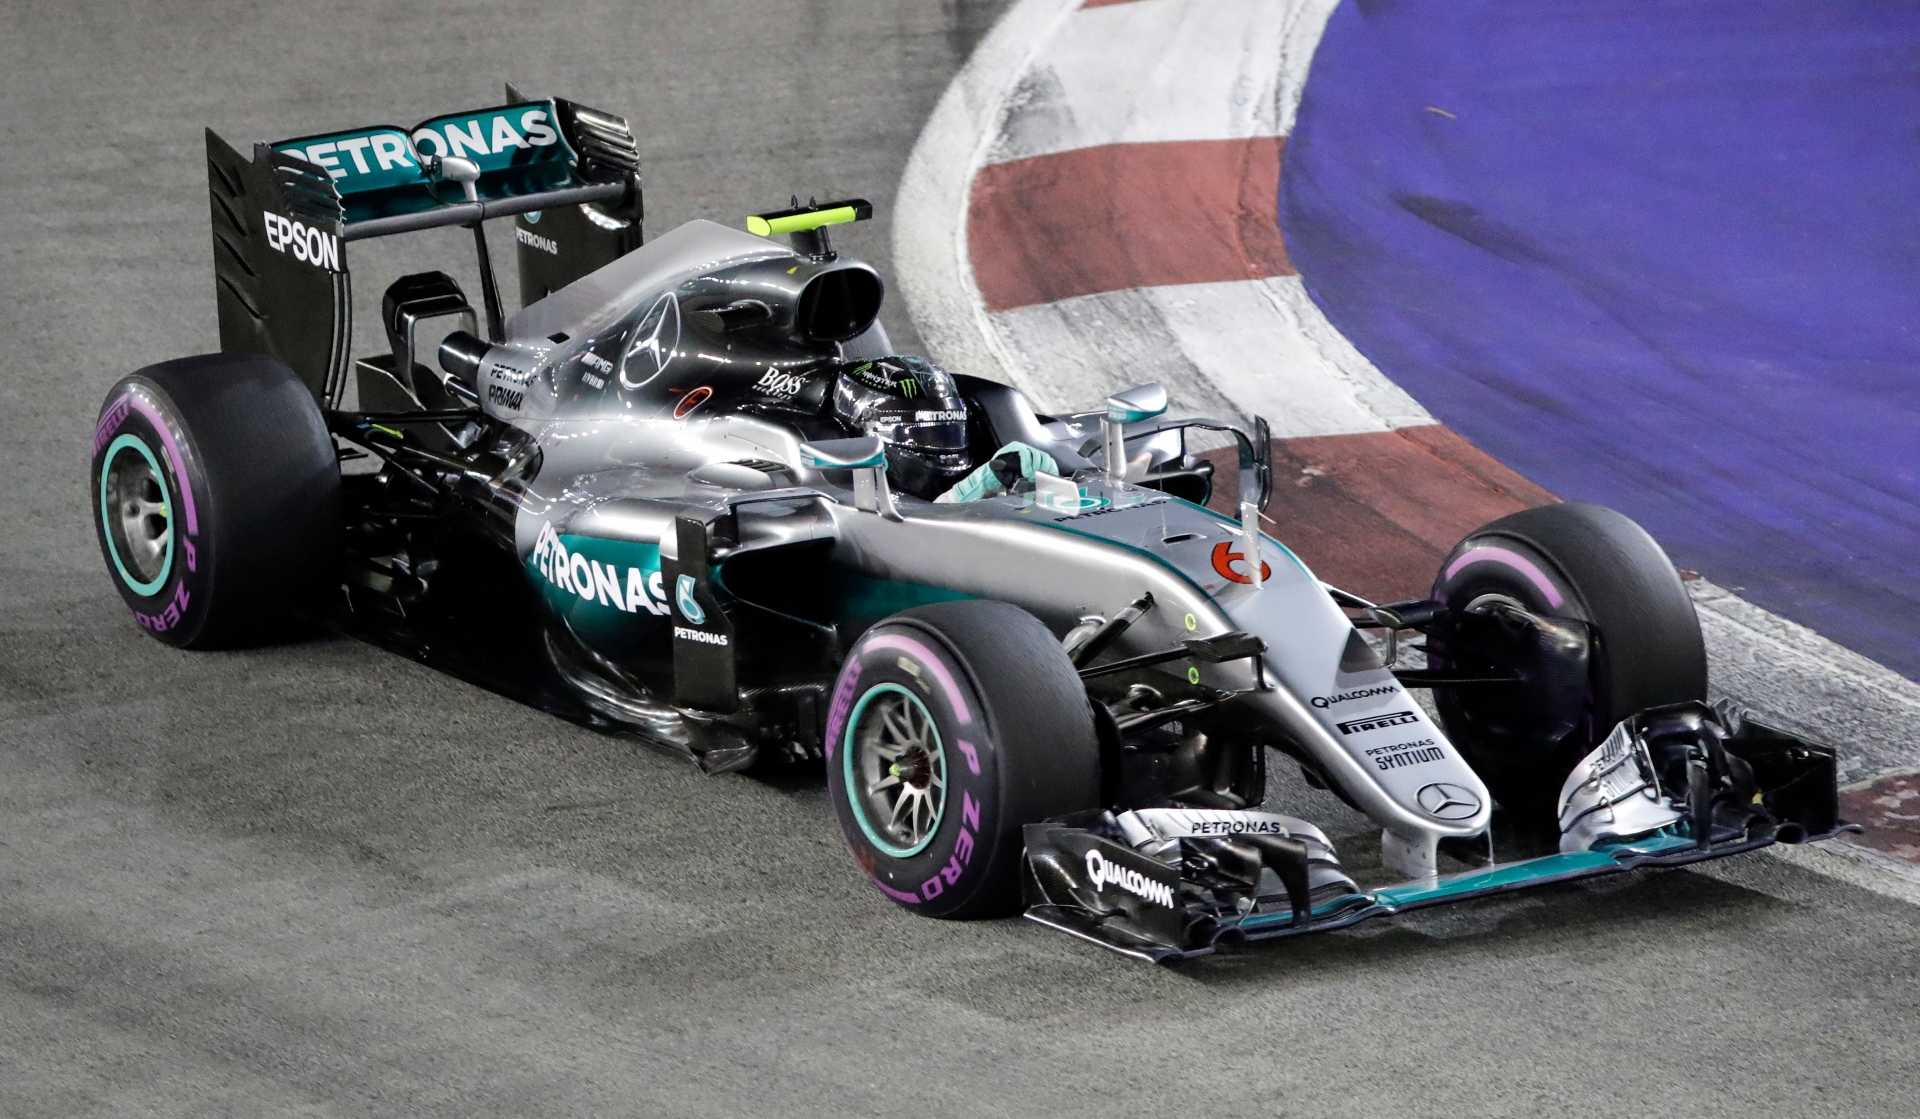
(952, 727)
(1582, 562)
(215, 491)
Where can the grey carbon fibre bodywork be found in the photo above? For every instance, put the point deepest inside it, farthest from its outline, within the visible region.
(627, 339)
(617, 466)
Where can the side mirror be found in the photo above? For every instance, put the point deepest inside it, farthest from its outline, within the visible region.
(1141, 402)
(1129, 406)
(1263, 459)
(867, 458)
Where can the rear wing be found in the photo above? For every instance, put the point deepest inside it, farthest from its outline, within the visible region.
(569, 175)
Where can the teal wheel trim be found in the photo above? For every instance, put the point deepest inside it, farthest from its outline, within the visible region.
(859, 595)
(114, 521)
(911, 730)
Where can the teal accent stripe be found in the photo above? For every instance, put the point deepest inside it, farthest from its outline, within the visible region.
(1162, 561)
(1650, 845)
(858, 595)
(1493, 878)
(1064, 526)
(1578, 864)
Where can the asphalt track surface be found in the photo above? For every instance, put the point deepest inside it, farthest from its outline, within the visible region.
(317, 880)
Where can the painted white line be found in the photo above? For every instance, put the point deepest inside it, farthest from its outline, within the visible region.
(1231, 349)
(930, 257)
(1105, 78)
(1299, 345)
(1234, 349)
(965, 132)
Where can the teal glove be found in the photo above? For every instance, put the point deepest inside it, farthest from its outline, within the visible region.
(1010, 465)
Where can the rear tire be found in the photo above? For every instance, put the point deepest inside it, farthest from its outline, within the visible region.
(1591, 564)
(971, 714)
(216, 499)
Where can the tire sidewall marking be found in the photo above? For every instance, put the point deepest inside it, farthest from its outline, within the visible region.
(136, 412)
(1527, 568)
(962, 842)
(1519, 566)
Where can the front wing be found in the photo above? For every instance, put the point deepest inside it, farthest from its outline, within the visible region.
(1084, 878)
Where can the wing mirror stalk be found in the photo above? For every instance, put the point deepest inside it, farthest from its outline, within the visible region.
(1250, 528)
(1143, 402)
(867, 458)
(1128, 406)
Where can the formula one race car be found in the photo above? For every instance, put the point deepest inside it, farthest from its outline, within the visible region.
(688, 492)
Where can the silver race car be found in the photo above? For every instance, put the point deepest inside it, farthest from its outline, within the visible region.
(689, 492)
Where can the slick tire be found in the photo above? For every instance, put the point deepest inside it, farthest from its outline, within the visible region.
(215, 491)
(1591, 564)
(973, 699)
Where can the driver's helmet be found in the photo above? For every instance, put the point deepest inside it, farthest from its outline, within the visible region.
(914, 406)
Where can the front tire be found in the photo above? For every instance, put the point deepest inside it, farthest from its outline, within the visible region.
(952, 727)
(216, 498)
(1590, 564)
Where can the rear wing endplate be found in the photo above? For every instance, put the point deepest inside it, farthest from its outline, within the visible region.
(280, 278)
(569, 174)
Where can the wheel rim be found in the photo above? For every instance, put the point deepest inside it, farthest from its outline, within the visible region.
(136, 510)
(1488, 599)
(895, 770)
(1474, 709)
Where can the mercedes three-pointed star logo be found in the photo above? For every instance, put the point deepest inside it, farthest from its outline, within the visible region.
(653, 343)
(1443, 801)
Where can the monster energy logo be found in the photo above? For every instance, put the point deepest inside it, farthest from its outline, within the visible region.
(866, 374)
